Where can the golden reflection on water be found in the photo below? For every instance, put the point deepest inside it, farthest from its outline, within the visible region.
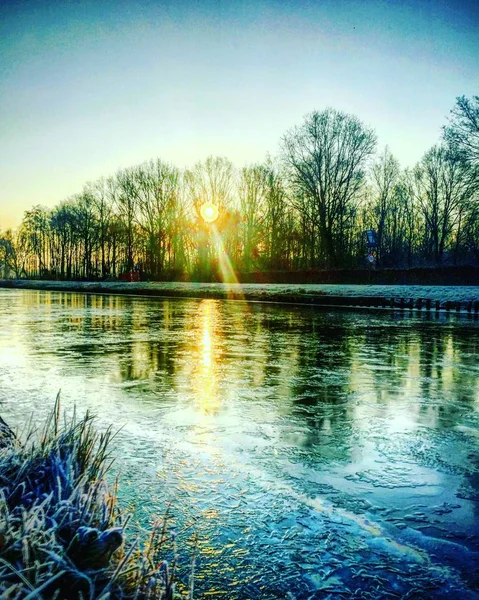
(206, 365)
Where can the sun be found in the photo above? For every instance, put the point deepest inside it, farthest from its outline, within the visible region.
(209, 212)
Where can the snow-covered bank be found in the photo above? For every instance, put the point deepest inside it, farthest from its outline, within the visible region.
(336, 295)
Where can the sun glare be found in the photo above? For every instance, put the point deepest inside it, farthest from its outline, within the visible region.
(209, 212)
(228, 274)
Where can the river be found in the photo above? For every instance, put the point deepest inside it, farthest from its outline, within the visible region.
(302, 452)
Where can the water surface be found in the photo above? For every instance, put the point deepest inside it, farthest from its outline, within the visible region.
(309, 452)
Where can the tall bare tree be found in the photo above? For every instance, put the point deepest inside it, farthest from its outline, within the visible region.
(102, 200)
(252, 199)
(385, 176)
(279, 221)
(443, 188)
(462, 132)
(9, 262)
(126, 201)
(158, 190)
(327, 157)
(35, 231)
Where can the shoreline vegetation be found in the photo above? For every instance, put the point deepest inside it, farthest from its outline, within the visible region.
(62, 533)
(418, 297)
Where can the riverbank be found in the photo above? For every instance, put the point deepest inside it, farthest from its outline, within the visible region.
(445, 275)
(465, 298)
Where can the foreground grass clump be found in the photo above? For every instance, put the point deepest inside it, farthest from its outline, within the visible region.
(62, 534)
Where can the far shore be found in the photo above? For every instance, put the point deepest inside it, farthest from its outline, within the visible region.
(380, 296)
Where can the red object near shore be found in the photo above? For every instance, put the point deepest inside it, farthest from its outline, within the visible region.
(130, 276)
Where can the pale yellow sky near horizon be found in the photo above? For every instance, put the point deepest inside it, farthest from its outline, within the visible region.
(89, 88)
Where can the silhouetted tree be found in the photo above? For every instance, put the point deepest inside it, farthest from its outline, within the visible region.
(327, 157)
(462, 133)
(252, 198)
(385, 177)
(443, 188)
(279, 223)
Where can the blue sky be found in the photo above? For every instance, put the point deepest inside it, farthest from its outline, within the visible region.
(90, 87)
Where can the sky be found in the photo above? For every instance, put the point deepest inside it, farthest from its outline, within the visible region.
(87, 88)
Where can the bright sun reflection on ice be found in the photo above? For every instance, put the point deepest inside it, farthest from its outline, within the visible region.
(205, 377)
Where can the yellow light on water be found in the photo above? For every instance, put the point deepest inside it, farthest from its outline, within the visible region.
(209, 212)
(205, 375)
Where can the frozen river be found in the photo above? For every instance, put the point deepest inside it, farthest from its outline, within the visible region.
(304, 453)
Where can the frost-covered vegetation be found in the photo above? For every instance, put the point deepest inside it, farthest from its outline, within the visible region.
(62, 534)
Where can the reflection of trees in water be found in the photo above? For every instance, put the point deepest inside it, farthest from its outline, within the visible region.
(382, 360)
(203, 356)
(448, 379)
(321, 387)
(126, 338)
(433, 346)
(465, 353)
(275, 336)
(304, 363)
(328, 384)
(58, 316)
(149, 348)
(402, 371)
(144, 360)
(233, 350)
(425, 366)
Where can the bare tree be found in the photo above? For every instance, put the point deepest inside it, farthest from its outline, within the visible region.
(35, 231)
(10, 258)
(462, 133)
(102, 199)
(63, 226)
(126, 200)
(213, 181)
(385, 176)
(158, 190)
(252, 198)
(443, 187)
(278, 221)
(309, 210)
(88, 231)
(327, 156)
(408, 222)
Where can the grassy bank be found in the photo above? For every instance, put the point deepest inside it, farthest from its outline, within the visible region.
(62, 533)
(392, 296)
(446, 275)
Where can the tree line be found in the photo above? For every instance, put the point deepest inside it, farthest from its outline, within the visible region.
(306, 209)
